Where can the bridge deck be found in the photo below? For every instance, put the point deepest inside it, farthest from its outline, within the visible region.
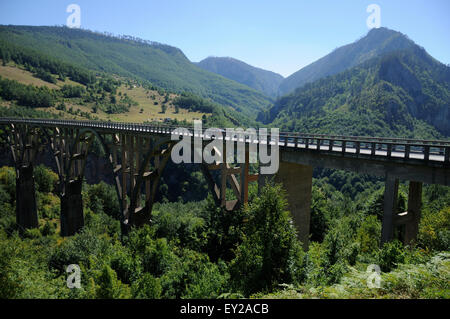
(424, 153)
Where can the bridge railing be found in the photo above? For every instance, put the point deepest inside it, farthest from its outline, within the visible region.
(388, 147)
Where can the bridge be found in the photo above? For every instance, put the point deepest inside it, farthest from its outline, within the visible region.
(138, 154)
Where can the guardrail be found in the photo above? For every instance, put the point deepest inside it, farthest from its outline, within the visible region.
(425, 150)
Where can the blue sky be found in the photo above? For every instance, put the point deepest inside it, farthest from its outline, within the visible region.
(281, 36)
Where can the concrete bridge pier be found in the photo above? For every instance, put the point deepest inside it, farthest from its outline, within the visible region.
(409, 220)
(297, 181)
(389, 208)
(26, 210)
(404, 225)
(72, 219)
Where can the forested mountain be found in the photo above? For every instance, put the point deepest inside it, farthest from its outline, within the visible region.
(405, 93)
(259, 79)
(162, 65)
(375, 43)
(30, 80)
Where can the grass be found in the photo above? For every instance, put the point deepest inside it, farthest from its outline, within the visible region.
(14, 73)
(151, 112)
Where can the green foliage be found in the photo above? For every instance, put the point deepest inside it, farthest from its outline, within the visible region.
(44, 64)
(390, 255)
(434, 230)
(147, 287)
(20, 111)
(224, 231)
(327, 262)
(44, 178)
(26, 95)
(194, 103)
(128, 268)
(109, 287)
(319, 210)
(70, 91)
(181, 223)
(368, 235)
(79, 250)
(8, 181)
(270, 253)
(44, 75)
(102, 198)
(428, 280)
(192, 275)
(196, 250)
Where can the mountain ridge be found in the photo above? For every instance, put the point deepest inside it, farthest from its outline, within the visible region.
(259, 79)
(163, 65)
(401, 93)
(375, 43)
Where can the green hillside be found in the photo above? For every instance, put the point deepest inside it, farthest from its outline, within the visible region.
(376, 43)
(404, 93)
(162, 65)
(261, 80)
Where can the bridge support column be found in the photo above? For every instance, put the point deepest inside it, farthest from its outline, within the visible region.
(389, 209)
(26, 210)
(72, 219)
(413, 216)
(297, 181)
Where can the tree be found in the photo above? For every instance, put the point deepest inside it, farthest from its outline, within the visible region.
(270, 253)
(147, 287)
(45, 179)
(110, 287)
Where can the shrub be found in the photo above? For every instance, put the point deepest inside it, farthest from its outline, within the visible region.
(368, 235)
(48, 205)
(391, 254)
(192, 275)
(8, 180)
(109, 287)
(103, 198)
(44, 179)
(180, 222)
(127, 267)
(434, 230)
(270, 253)
(147, 287)
(78, 250)
(48, 229)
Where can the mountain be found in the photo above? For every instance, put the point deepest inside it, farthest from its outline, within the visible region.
(162, 65)
(402, 93)
(261, 80)
(377, 42)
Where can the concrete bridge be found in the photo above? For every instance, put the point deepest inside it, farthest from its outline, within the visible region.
(138, 154)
